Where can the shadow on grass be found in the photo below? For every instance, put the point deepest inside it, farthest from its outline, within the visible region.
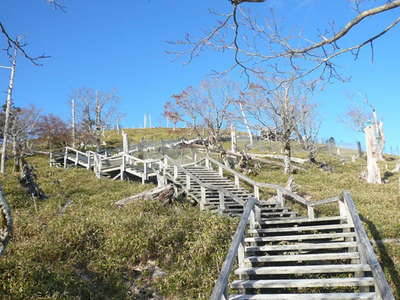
(387, 261)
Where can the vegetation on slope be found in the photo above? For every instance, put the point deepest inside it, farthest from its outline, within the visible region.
(96, 251)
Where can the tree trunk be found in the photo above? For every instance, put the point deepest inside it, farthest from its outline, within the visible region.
(233, 139)
(73, 122)
(98, 125)
(373, 172)
(246, 123)
(8, 110)
(287, 151)
(359, 149)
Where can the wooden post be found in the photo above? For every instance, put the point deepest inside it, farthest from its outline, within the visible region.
(65, 157)
(51, 159)
(76, 158)
(221, 197)
(144, 178)
(220, 171)
(89, 160)
(241, 255)
(122, 167)
(187, 183)
(280, 198)
(310, 212)
(175, 172)
(207, 163)
(195, 158)
(203, 197)
(237, 181)
(257, 192)
(125, 143)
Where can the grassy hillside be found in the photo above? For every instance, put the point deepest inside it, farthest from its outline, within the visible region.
(94, 250)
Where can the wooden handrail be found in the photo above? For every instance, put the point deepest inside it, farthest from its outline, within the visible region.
(219, 290)
(381, 285)
(284, 191)
(205, 185)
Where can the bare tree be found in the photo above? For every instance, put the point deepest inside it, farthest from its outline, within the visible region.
(16, 44)
(97, 112)
(8, 110)
(307, 127)
(23, 122)
(206, 109)
(259, 47)
(281, 109)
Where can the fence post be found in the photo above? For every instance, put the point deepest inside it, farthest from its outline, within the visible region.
(310, 212)
(203, 197)
(236, 181)
(257, 192)
(220, 171)
(122, 167)
(76, 158)
(89, 162)
(187, 183)
(144, 172)
(221, 197)
(65, 157)
(281, 199)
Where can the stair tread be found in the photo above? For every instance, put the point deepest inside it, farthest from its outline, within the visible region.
(305, 220)
(303, 257)
(303, 246)
(313, 269)
(319, 296)
(300, 237)
(318, 282)
(301, 228)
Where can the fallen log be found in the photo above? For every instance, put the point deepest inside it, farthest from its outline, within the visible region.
(293, 159)
(150, 194)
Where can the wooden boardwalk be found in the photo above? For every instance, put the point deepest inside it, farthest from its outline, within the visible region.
(119, 166)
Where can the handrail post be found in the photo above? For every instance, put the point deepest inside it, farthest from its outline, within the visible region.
(221, 202)
(76, 158)
(89, 162)
(122, 167)
(208, 162)
(144, 178)
(65, 157)
(310, 212)
(220, 171)
(241, 255)
(281, 199)
(256, 192)
(175, 172)
(187, 183)
(195, 158)
(203, 197)
(236, 181)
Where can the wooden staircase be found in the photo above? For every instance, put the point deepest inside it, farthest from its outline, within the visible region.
(281, 255)
(303, 259)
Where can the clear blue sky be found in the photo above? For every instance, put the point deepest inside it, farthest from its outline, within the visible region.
(121, 45)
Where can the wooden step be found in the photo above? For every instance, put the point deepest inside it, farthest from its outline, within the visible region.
(302, 246)
(304, 283)
(301, 228)
(327, 296)
(315, 269)
(304, 220)
(300, 237)
(303, 257)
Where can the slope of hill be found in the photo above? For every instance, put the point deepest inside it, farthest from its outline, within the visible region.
(89, 249)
